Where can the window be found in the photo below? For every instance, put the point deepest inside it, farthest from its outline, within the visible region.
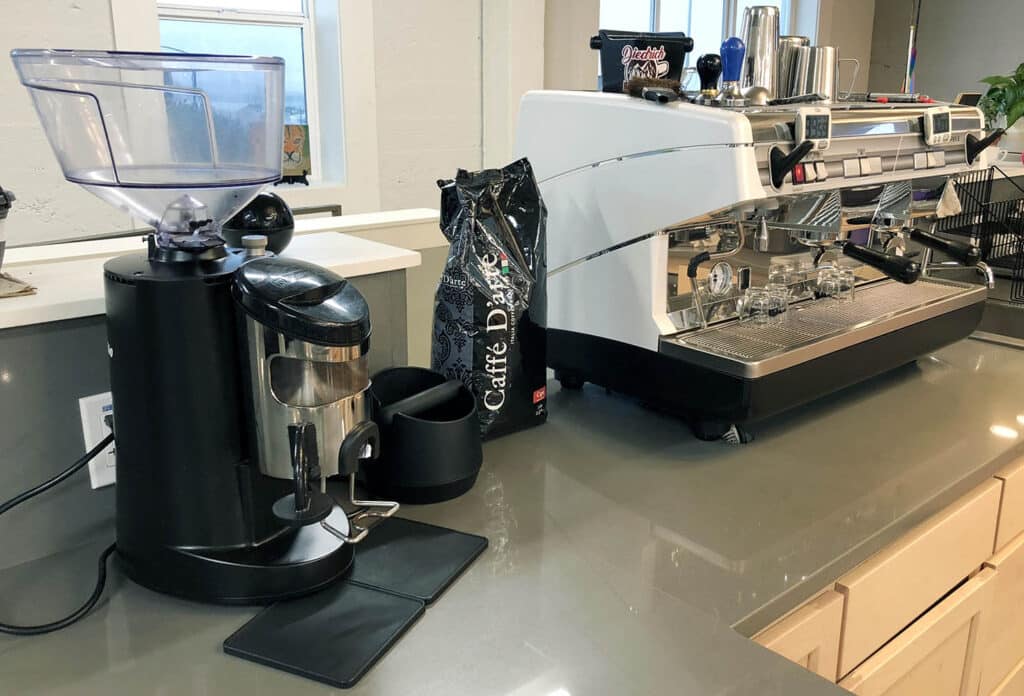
(706, 21)
(257, 27)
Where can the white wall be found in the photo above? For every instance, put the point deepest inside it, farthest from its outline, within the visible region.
(48, 207)
(427, 57)
(569, 62)
(958, 43)
(848, 25)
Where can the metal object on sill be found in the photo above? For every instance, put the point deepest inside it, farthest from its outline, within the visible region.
(787, 65)
(760, 35)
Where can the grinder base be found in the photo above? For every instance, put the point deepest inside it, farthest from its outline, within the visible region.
(291, 565)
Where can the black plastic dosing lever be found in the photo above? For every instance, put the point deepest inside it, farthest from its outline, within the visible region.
(709, 69)
(896, 267)
(965, 253)
(780, 164)
(356, 441)
(976, 145)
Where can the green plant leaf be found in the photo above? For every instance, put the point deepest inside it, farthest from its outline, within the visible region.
(997, 80)
(1014, 112)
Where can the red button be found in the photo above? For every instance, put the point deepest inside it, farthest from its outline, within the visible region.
(798, 174)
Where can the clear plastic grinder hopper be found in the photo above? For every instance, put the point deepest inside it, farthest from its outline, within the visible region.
(180, 141)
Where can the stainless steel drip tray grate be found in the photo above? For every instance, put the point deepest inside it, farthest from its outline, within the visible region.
(818, 327)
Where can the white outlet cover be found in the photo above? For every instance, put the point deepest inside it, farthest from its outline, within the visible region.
(93, 409)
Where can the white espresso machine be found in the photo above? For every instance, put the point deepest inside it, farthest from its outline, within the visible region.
(661, 215)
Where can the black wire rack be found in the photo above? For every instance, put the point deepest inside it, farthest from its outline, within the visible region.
(995, 226)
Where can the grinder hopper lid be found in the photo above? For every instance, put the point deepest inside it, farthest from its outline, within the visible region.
(303, 301)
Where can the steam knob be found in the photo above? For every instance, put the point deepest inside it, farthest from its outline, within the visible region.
(733, 50)
(709, 68)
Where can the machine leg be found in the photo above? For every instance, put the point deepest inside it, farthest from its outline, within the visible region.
(718, 431)
(569, 380)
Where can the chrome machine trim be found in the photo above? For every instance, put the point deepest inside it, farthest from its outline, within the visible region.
(816, 328)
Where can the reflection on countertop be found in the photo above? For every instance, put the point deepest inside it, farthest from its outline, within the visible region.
(625, 556)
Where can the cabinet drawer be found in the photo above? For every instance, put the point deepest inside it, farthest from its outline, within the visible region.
(888, 591)
(1011, 510)
(936, 655)
(1005, 631)
(810, 635)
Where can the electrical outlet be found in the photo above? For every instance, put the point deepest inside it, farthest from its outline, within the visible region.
(93, 410)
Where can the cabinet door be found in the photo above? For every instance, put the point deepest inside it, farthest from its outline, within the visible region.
(938, 654)
(1013, 685)
(810, 635)
(1011, 508)
(1005, 645)
(888, 591)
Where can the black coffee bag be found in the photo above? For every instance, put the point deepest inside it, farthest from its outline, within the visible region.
(490, 310)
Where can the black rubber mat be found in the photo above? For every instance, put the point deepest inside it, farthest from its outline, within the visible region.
(333, 636)
(413, 559)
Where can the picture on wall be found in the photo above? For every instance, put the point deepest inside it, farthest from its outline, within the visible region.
(295, 157)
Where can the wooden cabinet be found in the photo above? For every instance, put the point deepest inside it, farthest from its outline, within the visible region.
(938, 654)
(1005, 646)
(1013, 685)
(1011, 509)
(888, 591)
(809, 636)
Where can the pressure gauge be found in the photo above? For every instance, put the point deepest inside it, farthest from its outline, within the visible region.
(813, 123)
(720, 279)
(937, 125)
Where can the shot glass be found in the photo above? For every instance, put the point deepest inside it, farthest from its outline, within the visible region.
(756, 306)
(778, 302)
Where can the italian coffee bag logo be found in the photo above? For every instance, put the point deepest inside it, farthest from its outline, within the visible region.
(497, 328)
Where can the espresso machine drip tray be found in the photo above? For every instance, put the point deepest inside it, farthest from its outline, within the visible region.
(818, 328)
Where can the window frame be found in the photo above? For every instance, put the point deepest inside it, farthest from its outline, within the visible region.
(730, 17)
(178, 11)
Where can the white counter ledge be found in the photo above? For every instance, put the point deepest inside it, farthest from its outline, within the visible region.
(69, 277)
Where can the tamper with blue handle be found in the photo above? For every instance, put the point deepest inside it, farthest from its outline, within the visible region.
(732, 52)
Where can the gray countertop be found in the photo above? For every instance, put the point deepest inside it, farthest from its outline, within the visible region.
(625, 556)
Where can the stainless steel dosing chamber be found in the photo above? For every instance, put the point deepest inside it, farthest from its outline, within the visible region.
(306, 333)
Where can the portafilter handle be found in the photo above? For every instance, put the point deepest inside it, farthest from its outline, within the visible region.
(898, 268)
(965, 253)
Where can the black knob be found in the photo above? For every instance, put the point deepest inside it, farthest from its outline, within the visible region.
(975, 146)
(709, 68)
(780, 164)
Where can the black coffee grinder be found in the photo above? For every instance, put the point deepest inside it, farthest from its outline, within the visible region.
(237, 378)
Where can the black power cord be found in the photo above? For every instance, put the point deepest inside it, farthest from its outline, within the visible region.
(101, 575)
